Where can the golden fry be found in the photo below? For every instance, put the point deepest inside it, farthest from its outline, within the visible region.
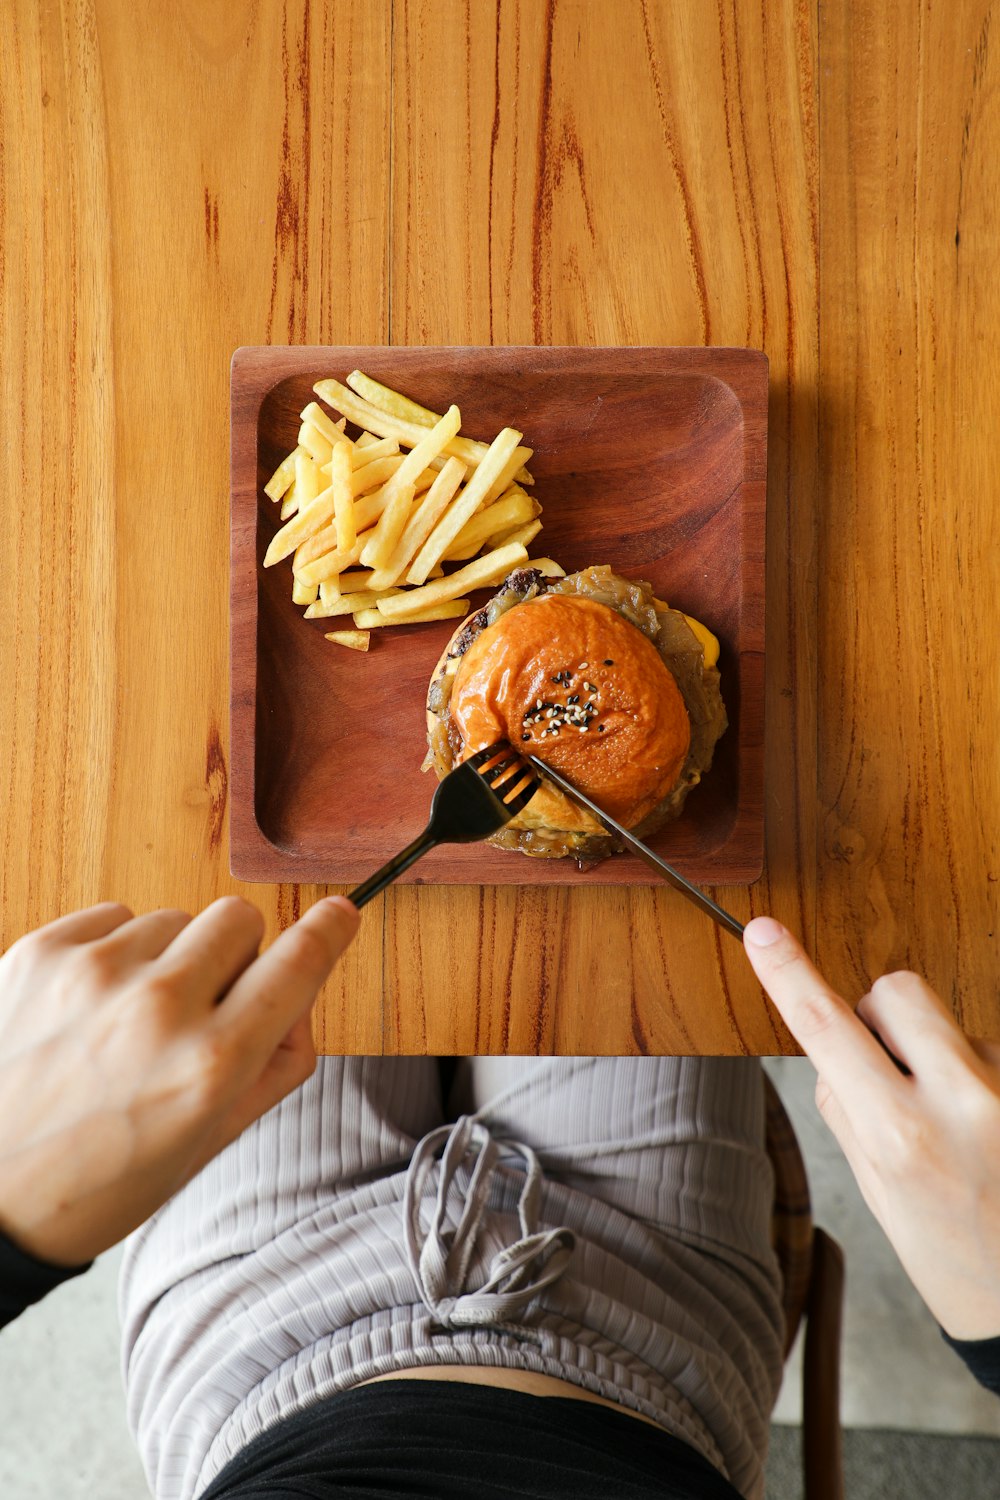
(408, 434)
(513, 510)
(451, 609)
(300, 528)
(522, 536)
(282, 476)
(387, 532)
(353, 583)
(475, 575)
(313, 415)
(343, 500)
(290, 503)
(384, 399)
(346, 604)
(507, 474)
(303, 593)
(390, 527)
(355, 640)
(465, 506)
(307, 480)
(328, 562)
(422, 522)
(315, 444)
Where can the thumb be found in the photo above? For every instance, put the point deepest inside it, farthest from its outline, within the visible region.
(281, 986)
(290, 1066)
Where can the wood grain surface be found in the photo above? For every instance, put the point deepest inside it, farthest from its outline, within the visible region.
(818, 182)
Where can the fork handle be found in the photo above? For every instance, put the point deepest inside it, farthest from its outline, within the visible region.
(390, 872)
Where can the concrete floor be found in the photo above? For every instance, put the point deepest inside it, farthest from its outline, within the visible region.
(63, 1431)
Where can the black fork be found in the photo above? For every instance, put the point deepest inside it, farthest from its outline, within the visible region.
(473, 801)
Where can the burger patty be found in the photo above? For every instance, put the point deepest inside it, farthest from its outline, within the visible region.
(681, 652)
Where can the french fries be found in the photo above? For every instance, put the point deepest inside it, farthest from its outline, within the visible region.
(523, 535)
(514, 509)
(374, 524)
(343, 499)
(314, 416)
(282, 478)
(304, 593)
(394, 517)
(355, 640)
(451, 609)
(465, 505)
(307, 485)
(391, 402)
(422, 523)
(300, 528)
(315, 444)
(475, 575)
(346, 604)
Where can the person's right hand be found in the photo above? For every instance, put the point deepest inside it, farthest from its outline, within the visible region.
(924, 1144)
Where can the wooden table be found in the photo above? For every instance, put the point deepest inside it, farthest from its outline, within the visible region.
(819, 182)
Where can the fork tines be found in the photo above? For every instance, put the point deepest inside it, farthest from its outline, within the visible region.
(508, 777)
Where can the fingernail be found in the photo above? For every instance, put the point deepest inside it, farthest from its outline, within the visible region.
(763, 931)
(343, 903)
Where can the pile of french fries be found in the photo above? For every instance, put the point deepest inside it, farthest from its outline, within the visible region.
(369, 528)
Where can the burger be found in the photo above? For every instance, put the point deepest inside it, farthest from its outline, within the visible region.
(594, 675)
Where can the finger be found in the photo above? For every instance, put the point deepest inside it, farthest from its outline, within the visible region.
(844, 1052)
(143, 938)
(214, 949)
(267, 1000)
(87, 925)
(914, 1023)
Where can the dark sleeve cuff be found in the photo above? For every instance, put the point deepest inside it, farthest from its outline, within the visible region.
(24, 1280)
(982, 1357)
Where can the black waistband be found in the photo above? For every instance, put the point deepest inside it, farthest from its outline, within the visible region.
(448, 1440)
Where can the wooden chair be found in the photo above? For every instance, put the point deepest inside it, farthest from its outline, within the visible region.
(812, 1267)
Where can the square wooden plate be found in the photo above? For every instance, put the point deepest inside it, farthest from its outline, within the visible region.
(651, 460)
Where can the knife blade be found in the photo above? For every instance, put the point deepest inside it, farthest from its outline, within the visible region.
(669, 874)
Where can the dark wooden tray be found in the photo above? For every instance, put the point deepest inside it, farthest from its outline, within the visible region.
(651, 460)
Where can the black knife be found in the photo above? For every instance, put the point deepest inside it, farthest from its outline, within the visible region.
(672, 876)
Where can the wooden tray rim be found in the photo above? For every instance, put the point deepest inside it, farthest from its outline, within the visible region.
(256, 369)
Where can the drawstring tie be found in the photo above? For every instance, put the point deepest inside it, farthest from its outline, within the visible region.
(440, 1259)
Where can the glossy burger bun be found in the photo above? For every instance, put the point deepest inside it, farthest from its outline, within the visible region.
(549, 811)
(551, 826)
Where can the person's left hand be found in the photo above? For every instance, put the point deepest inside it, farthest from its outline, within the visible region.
(132, 1049)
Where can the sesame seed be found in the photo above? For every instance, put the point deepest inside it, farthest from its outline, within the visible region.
(526, 736)
(538, 702)
(584, 665)
(590, 687)
(600, 728)
(582, 728)
(608, 662)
